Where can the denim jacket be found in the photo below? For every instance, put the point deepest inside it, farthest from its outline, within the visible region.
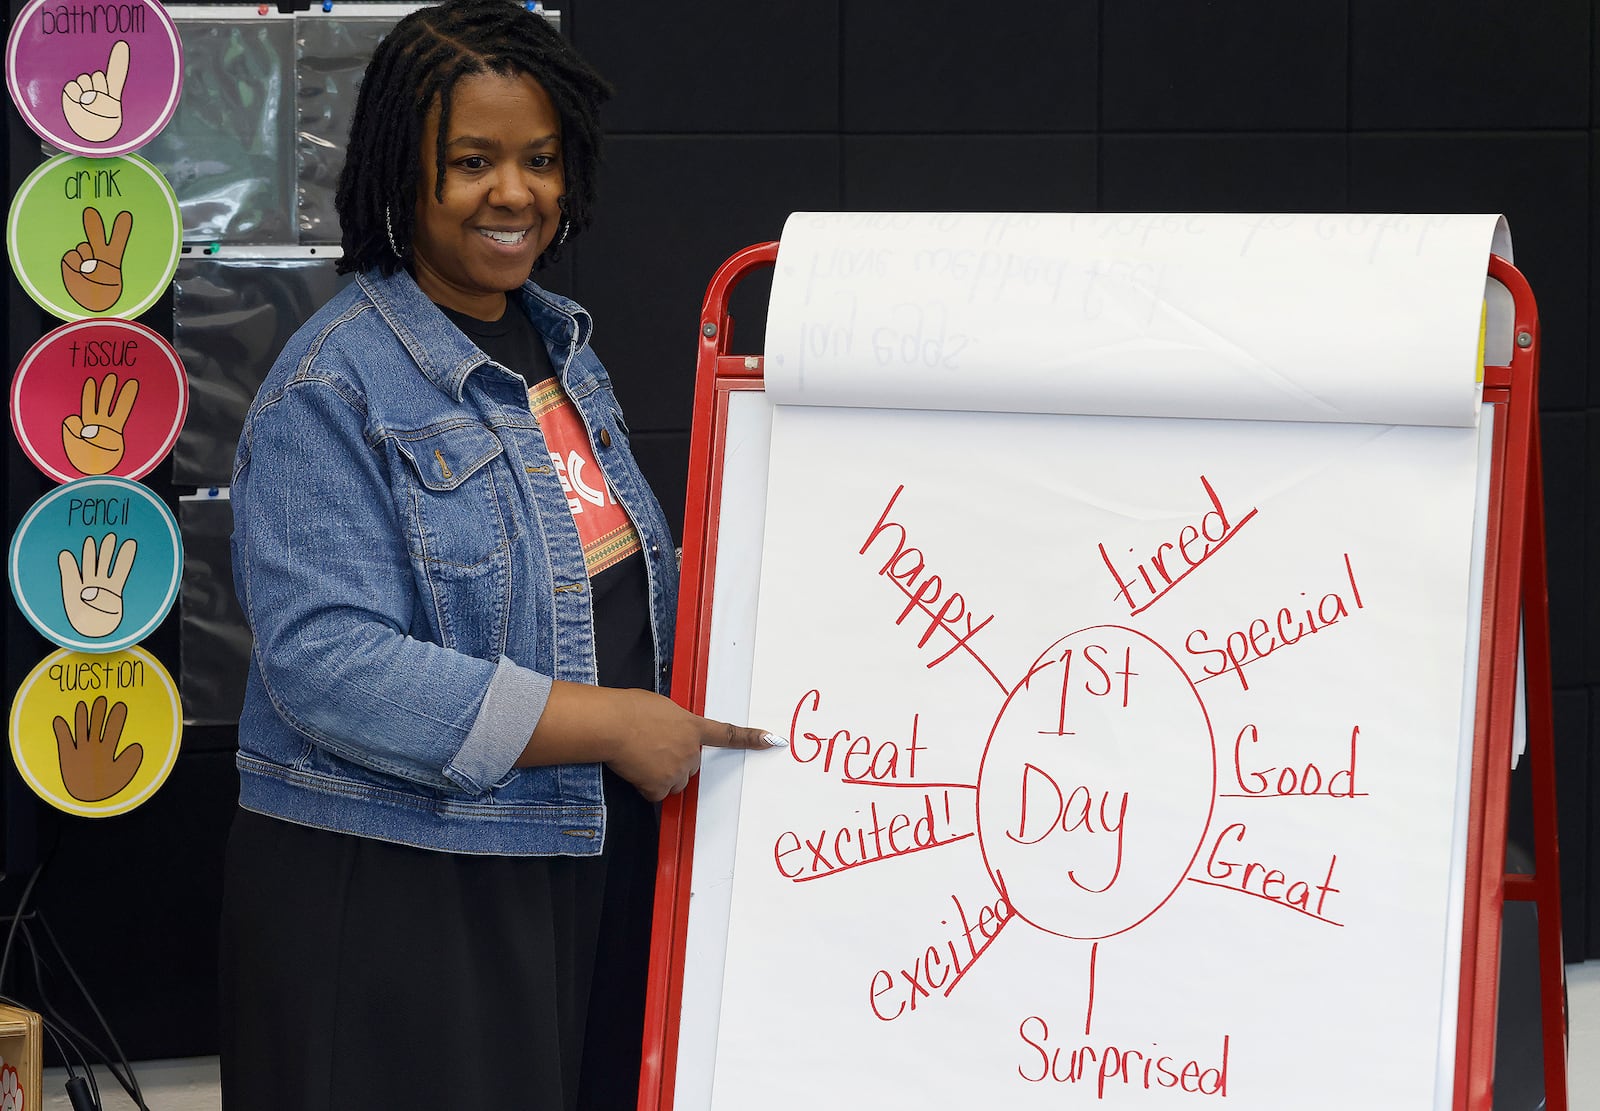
(404, 552)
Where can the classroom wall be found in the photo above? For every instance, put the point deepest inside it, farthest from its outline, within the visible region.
(731, 114)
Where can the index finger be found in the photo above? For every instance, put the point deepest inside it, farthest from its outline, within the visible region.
(748, 737)
(117, 69)
(94, 230)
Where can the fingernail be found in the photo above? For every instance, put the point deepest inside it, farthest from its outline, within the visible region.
(775, 741)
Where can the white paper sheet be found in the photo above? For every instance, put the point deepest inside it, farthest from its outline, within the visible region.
(1171, 954)
(1365, 318)
(1116, 594)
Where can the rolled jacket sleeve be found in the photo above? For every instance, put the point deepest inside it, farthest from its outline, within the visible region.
(326, 581)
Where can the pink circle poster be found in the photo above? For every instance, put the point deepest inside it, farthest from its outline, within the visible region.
(96, 79)
(99, 397)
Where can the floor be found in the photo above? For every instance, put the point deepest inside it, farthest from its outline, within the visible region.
(191, 1085)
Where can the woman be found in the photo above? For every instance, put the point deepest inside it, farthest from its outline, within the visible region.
(462, 590)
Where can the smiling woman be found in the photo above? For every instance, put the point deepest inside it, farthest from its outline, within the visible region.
(497, 207)
(454, 724)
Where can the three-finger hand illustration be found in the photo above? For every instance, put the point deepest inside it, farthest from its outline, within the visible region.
(92, 593)
(93, 436)
(92, 271)
(92, 770)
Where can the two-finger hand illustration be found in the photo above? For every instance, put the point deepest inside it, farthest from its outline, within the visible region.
(92, 271)
(92, 436)
(92, 102)
(92, 770)
(92, 593)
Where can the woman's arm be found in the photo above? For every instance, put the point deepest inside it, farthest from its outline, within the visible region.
(650, 741)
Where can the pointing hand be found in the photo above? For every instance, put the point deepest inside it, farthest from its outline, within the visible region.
(92, 102)
(92, 770)
(93, 437)
(92, 271)
(92, 596)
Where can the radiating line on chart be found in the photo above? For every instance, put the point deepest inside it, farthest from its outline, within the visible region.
(984, 948)
(1088, 1016)
(878, 859)
(1266, 899)
(1210, 551)
(961, 642)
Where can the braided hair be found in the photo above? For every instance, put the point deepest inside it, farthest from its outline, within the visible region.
(417, 65)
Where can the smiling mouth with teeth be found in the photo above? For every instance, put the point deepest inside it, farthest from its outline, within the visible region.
(506, 237)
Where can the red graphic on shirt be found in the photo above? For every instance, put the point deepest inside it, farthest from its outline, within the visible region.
(603, 526)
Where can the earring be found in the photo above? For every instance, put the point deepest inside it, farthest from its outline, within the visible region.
(388, 228)
(566, 222)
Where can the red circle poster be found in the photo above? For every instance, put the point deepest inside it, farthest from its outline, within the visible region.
(99, 397)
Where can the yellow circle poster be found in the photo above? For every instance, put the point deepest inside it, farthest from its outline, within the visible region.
(96, 734)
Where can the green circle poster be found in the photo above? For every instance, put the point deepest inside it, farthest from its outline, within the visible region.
(94, 236)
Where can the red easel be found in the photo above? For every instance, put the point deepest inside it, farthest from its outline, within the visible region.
(1515, 602)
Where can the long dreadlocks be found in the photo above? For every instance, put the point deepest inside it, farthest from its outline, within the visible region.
(419, 63)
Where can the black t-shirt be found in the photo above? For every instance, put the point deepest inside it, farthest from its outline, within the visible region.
(619, 594)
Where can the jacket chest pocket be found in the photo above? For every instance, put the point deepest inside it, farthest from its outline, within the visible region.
(457, 519)
(459, 533)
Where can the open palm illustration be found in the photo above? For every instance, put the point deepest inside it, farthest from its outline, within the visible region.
(92, 271)
(92, 102)
(92, 593)
(92, 770)
(92, 436)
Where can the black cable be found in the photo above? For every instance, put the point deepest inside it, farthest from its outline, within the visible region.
(62, 1041)
(132, 1083)
(16, 920)
(129, 1083)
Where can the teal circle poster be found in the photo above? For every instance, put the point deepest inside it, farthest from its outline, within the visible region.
(95, 564)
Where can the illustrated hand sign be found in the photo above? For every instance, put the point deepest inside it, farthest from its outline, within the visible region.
(92, 595)
(92, 102)
(93, 436)
(92, 770)
(92, 271)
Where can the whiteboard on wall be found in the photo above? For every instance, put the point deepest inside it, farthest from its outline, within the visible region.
(1128, 751)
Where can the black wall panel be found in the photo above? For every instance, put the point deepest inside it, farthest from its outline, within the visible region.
(1223, 173)
(1589, 529)
(1469, 64)
(953, 66)
(1566, 461)
(134, 902)
(1573, 710)
(1244, 65)
(716, 65)
(969, 173)
(673, 210)
(664, 459)
(1540, 181)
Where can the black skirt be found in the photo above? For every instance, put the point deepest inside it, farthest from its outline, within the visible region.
(358, 974)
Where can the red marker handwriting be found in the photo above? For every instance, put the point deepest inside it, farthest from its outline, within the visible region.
(1290, 781)
(1172, 560)
(890, 995)
(1110, 1068)
(1271, 884)
(884, 835)
(859, 757)
(907, 568)
(1264, 636)
(1068, 813)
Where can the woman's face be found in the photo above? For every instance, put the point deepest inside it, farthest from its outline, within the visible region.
(502, 183)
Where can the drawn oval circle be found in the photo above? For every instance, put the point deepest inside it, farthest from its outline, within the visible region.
(1097, 784)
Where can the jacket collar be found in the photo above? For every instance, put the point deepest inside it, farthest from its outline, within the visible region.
(446, 356)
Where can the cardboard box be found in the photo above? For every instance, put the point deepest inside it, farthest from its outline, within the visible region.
(21, 1058)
